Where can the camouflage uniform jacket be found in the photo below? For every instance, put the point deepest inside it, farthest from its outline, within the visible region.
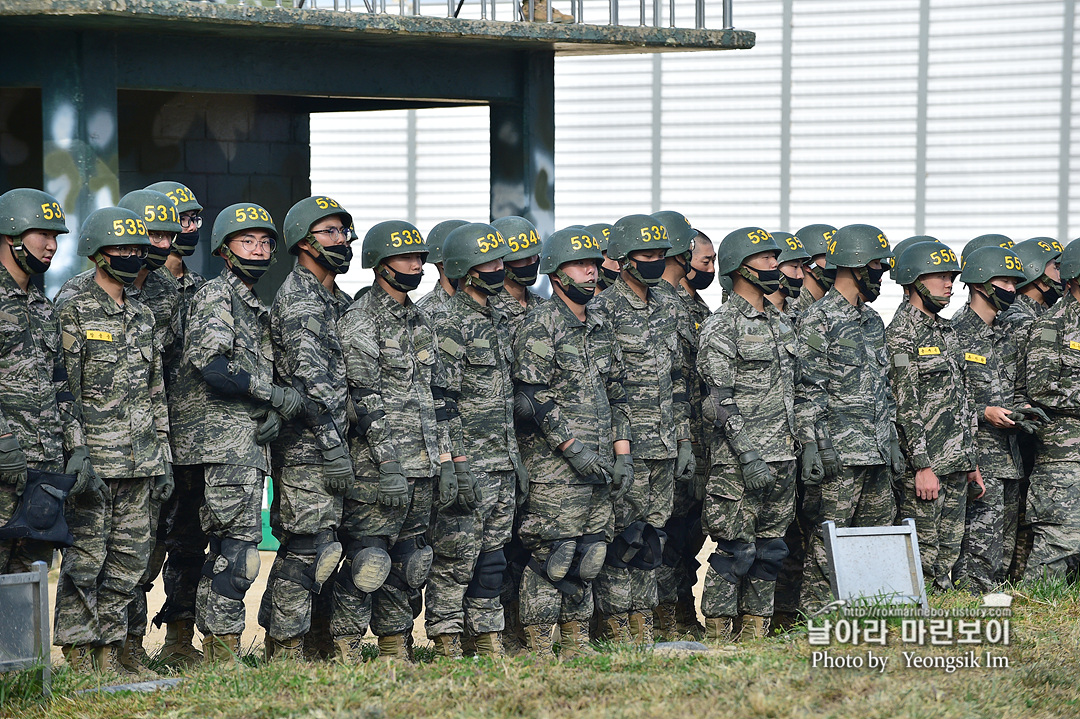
(1018, 320)
(990, 374)
(396, 378)
(505, 303)
(308, 356)
(844, 385)
(579, 367)
(1053, 363)
(698, 312)
(114, 371)
(686, 358)
(226, 319)
(748, 360)
(474, 345)
(186, 287)
(647, 334)
(35, 402)
(433, 301)
(934, 415)
(797, 308)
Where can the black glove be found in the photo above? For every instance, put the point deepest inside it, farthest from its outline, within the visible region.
(87, 479)
(393, 487)
(896, 457)
(12, 463)
(830, 463)
(269, 427)
(448, 484)
(587, 463)
(685, 464)
(286, 400)
(755, 471)
(813, 471)
(338, 469)
(469, 495)
(622, 476)
(1027, 417)
(163, 485)
(522, 480)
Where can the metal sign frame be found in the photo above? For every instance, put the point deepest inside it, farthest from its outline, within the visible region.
(39, 578)
(897, 548)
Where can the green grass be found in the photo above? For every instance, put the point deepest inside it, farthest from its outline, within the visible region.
(765, 678)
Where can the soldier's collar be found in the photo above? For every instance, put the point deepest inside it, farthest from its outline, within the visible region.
(247, 294)
(308, 276)
(570, 318)
(623, 288)
(107, 302)
(397, 309)
(475, 306)
(9, 286)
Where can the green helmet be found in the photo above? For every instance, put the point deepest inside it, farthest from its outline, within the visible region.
(437, 237)
(791, 248)
(1070, 261)
(155, 208)
(111, 226)
(899, 247)
(601, 232)
(985, 263)
(182, 197)
(305, 213)
(815, 238)
(389, 239)
(567, 245)
(25, 209)
(241, 216)
(857, 246)
(637, 232)
(740, 244)
(520, 235)
(1035, 254)
(924, 258)
(986, 241)
(470, 245)
(679, 231)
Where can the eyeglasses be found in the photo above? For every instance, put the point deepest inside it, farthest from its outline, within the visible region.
(250, 243)
(334, 232)
(139, 251)
(189, 220)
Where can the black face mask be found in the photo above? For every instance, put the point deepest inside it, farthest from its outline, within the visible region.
(335, 258)
(25, 259)
(577, 292)
(155, 257)
(826, 278)
(647, 273)
(184, 243)
(523, 275)
(607, 277)
(868, 280)
(791, 286)
(1053, 293)
(249, 271)
(401, 281)
(490, 283)
(768, 281)
(933, 303)
(121, 269)
(1000, 298)
(701, 280)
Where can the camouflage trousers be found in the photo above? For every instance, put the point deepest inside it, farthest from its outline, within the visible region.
(676, 577)
(137, 609)
(553, 512)
(232, 509)
(940, 525)
(303, 506)
(16, 555)
(453, 601)
(859, 496)
(983, 549)
(797, 536)
(100, 570)
(733, 513)
(625, 589)
(185, 544)
(1054, 511)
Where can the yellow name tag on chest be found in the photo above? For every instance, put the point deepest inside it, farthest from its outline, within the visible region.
(978, 359)
(99, 335)
(1073, 345)
(927, 351)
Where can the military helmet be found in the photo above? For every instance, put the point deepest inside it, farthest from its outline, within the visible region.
(111, 226)
(601, 232)
(924, 258)
(989, 261)
(815, 238)
(567, 245)
(1070, 261)
(389, 239)
(981, 241)
(305, 213)
(857, 246)
(679, 231)
(899, 247)
(637, 232)
(25, 209)
(470, 245)
(241, 216)
(740, 244)
(791, 248)
(437, 237)
(155, 208)
(520, 235)
(1036, 253)
(182, 197)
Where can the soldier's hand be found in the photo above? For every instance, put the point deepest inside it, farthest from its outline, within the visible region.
(286, 400)
(1001, 417)
(896, 457)
(622, 476)
(685, 464)
(522, 480)
(586, 463)
(976, 478)
(338, 470)
(448, 484)
(163, 485)
(86, 478)
(813, 472)
(927, 485)
(469, 495)
(830, 463)
(12, 462)
(393, 487)
(269, 428)
(755, 471)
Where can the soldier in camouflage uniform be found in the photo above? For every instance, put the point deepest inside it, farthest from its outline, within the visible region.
(1053, 383)
(312, 468)
(517, 297)
(990, 363)
(446, 288)
(747, 359)
(793, 257)
(575, 440)
(935, 417)
(609, 269)
(112, 352)
(646, 328)
(848, 435)
(40, 422)
(817, 278)
(463, 592)
(403, 414)
(180, 529)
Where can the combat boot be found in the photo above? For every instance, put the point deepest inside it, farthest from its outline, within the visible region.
(489, 645)
(686, 620)
(348, 649)
(783, 621)
(80, 657)
(448, 646)
(752, 627)
(107, 659)
(135, 659)
(614, 628)
(538, 640)
(718, 630)
(179, 648)
(573, 641)
(665, 623)
(221, 648)
(641, 628)
(290, 650)
(540, 13)
(392, 647)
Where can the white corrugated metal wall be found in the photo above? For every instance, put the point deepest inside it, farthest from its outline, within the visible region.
(944, 117)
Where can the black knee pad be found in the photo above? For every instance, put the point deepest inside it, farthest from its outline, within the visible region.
(590, 558)
(411, 563)
(369, 563)
(488, 576)
(626, 545)
(40, 512)
(651, 554)
(558, 562)
(325, 549)
(232, 567)
(732, 560)
(769, 558)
